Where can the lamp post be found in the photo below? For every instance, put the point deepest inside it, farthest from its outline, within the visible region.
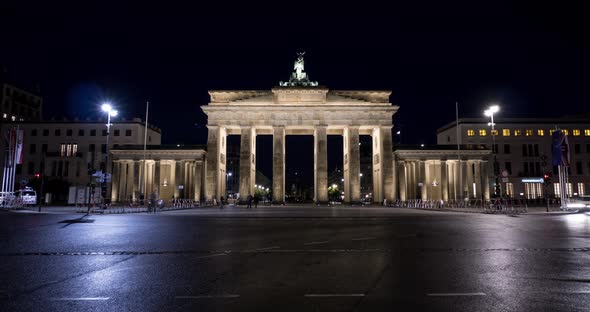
(228, 183)
(107, 108)
(490, 112)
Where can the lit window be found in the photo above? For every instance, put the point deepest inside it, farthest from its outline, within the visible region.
(556, 190)
(470, 132)
(13, 118)
(506, 132)
(68, 150)
(482, 132)
(510, 190)
(576, 132)
(581, 189)
(540, 132)
(551, 131)
(528, 132)
(587, 132)
(517, 132)
(565, 131)
(494, 132)
(4, 116)
(570, 191)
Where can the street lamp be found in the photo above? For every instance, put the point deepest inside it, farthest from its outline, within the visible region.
(107, 108)
(490, 113)
(228, 183)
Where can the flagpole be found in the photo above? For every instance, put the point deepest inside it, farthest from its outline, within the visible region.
(458, 151)
(147, 106)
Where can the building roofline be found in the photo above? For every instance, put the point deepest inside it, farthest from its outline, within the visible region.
(73, 121)
(582, 119)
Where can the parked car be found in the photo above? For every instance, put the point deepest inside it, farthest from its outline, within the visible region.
(28, 196)
(581, 203)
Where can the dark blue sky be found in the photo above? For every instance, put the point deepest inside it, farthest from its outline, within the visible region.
(533, 61)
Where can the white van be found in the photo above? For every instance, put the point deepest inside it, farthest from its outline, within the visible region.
(28, 195)
(581, 203)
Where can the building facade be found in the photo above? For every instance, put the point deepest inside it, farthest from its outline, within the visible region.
(17, 104)
(65, 150)
(523, 149)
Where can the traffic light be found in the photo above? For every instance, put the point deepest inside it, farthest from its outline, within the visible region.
(547, 178)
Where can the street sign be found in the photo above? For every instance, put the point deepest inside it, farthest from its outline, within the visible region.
(505, 173)
(505, 180)
(181, 187)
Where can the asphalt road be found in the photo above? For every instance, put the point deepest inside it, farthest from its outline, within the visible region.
(323, 260)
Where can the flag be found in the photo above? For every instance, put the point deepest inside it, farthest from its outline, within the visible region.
(561, 149)
(18, 154)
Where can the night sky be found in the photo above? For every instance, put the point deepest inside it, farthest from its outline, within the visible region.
(534, 62)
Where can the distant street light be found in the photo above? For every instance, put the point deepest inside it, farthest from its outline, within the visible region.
(107, 108)
(490, 113)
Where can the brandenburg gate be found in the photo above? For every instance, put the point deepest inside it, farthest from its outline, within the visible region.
(301, 107)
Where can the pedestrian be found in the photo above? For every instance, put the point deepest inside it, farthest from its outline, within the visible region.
(256, 201)
(249, 201)
(385, 202)
(152, 202)
(221, 203)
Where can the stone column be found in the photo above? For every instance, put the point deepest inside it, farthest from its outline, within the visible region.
(352, 166)
(157, 181)
(387, 168)
(115, 180)
(247, 162)
(395, 179)
(175, 175)
(129, 187)
(278, 165)
(444, 181)
(215, 179)
(136, 179)
(321, 165)
(462, 174)
(122, 196)
(377, 166)
(485, 180)
(403, 195)
(424, 179)
(470, 179)
(477, 180)
(198, 179)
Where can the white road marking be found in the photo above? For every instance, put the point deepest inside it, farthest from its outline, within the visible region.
(332, 295)
(262, 249)
(207, 296)
(211, 256)
(81, 299)
(363, 238)
(455, 294)
(316, 243)
(131, 268)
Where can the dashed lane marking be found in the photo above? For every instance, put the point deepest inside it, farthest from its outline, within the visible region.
(207, 296)
(332, 295)
(455, 294)
(363, 238)
(81, 299)
(263, 249)
(316, 243)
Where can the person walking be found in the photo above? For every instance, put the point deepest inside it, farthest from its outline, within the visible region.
(249, 201)
(256, 201)
(221, 203)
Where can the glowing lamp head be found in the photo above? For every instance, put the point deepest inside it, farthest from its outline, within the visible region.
(106, 107)
(492, 110)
